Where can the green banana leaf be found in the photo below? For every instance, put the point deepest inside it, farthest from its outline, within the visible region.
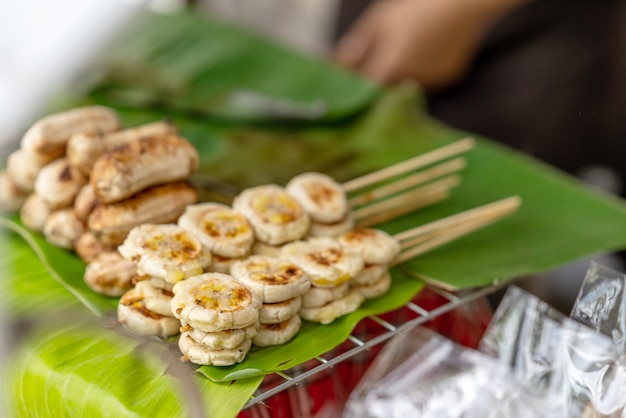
(187, 69)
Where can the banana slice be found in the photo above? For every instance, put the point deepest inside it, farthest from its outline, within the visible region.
(375, 289)
(110, 274)
(370, 274)
(35, 212)
(274, 313)
(159, 204)
(48, 137)
(154, 282)
(63, 228)
(130, 168)
(24, 167)
(156, 299)
(335, 229)
(275, 334)
(58, 183)
(227, 339)
(83, 150)
(374, 245)
(326, 262)
(12, 198)
(328, 313)
(223, 264)
(134, 316)
(85, 202)
(198, 354)
(215, 302)
(320, 195)
(224, 231)
(273, 279)
(262, 248)
(165, 251)
(320, 296)
(88, 247)
(275, 216)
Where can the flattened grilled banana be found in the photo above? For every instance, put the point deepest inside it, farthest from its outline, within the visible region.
(374, 245)
(58, 183)
(221, 229)
(35, 212)
(275, 313)
(24, 167)
(326, 262)
(12, 198)
(88, 247)
(342, 226)
(48, 137)
(329, 312)
(273, 279)
(320, 195)
(156, 299)
(84, 149)
(110, 223)
(215, 302)
(370, 274)
(85, 202)
(134, 316)
(153, 281)
(110, 274)
(199, 354)
(135, 166)
(276, 334)
(63, 229)
(320, 296)
(375, 289)
(227, 339)
(166, 251)
(275, 216)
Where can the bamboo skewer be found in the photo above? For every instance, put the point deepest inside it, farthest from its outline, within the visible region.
(400, 210)
(394, 202)
(413, 180)
(414, 163)
(424, 238)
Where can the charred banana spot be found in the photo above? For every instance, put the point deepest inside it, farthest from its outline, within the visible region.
(277, 208)
(326, 257)
(275, 327)
(320, 193)
(360, 234)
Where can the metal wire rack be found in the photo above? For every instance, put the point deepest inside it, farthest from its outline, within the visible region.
(278, 382)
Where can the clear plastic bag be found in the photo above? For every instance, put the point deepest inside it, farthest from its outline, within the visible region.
(420, 373)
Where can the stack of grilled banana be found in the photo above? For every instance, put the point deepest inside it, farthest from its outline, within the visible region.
(85, 183)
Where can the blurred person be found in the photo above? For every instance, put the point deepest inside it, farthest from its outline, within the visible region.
(545, 76)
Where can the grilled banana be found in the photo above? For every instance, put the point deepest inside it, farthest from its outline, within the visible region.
(375, 289)
(199, 354)
(335, 229)
(35, 212)
(320, 296)
(58, 183)
(370, 274)
(24, 167)
(48, 137)
(275, 313)
(125, 170)
(88, 247)
(85, 202)
(110, 223)
(333, 310)
(110, 274)
(320, 195)
(326, 262)
(273, 279)
(134, 316)
(275, 216)
(215, 302)
(63, 228)
(275, 334)
(222, 230)
(227, 339)
(84, 149)
(156, 299)
(374, 245)
(165, 251)
(12, 198)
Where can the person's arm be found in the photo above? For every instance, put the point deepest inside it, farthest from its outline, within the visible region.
(430, 41)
